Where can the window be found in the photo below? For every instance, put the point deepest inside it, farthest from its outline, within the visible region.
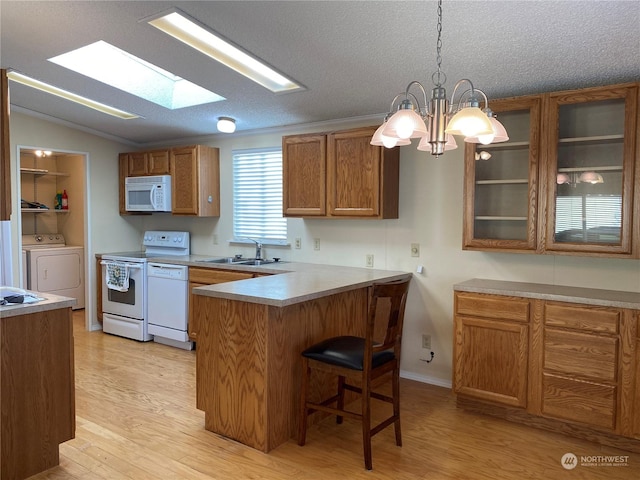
(257, 195)
(589, 218)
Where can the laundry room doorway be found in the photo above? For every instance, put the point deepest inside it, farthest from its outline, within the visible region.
(53, 222)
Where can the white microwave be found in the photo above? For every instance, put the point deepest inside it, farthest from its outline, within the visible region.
(148, 194)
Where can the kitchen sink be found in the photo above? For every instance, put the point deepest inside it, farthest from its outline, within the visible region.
(237, 261)
(219, 260)
(254, 262)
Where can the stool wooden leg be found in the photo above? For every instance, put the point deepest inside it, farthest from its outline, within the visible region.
(366, 423)
(304, 387)
(396, 405)
(340, 403)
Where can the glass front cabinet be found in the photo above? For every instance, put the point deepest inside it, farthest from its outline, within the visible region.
(564, 182)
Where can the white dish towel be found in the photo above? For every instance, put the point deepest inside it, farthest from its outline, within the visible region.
(117, 276)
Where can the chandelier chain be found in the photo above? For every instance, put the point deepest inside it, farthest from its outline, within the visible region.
(439, 74)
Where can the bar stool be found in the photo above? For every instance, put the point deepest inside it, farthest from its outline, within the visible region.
(359, 361)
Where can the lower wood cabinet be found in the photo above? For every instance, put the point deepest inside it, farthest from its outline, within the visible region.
(200, 277)
(581, 351)
(635, 404)
(491, 348)
(551, 364)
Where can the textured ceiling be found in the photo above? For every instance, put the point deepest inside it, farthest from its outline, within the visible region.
(353, 57)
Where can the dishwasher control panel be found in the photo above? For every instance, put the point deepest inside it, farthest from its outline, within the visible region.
(173, 272)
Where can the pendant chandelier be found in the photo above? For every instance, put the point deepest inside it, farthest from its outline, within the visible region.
(438, 120)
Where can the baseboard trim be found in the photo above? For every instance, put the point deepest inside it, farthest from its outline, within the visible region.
(439, 382)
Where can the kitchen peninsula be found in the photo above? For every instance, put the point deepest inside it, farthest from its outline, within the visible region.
(37, 387)
(251, 332)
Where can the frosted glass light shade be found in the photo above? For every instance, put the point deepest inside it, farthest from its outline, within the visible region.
(470, 122)
(381, 140)
(226, 125)
(405, 124)
(591, 177)
(498, 135)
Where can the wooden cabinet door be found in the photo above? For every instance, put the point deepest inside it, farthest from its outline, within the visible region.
(590, 170)
(123, 172)
(635, 398)
(195, 181)
(184, 181)
(501, 192)
(158, 162)
(491, 349)
(137, 164)
(304, 175)
(354, 175)
(491, 360)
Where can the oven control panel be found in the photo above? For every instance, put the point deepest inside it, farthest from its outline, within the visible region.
(176, 243)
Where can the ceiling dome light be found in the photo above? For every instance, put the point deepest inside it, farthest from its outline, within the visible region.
(226, 125)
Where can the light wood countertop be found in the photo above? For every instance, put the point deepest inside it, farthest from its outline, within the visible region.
(50, 302)
(588, 296)
(283, 283)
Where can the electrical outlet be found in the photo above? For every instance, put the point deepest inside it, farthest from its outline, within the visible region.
(215, 238)
(316, 244)
(298, 243)
(426, 341)
(369, 260)
(415, 249)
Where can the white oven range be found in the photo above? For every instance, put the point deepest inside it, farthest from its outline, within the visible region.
(125, 311)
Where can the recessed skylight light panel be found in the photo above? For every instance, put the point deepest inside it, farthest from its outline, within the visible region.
(117, 68)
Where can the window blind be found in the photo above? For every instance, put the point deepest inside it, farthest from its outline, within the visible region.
(257, 195)
(598, 217)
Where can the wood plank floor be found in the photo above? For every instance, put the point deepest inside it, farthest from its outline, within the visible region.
(136, 419)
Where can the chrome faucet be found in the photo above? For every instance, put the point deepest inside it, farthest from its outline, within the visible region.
(258, 248)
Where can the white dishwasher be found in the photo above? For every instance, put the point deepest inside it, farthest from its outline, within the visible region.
(168, 304)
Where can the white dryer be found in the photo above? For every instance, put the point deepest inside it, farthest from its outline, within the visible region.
(54, 267)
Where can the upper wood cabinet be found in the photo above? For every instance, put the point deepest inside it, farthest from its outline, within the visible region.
(195, 181)
(339, 175)
(500, 193)
(304, 175)
(564, 182)
(589, 169)
(155, 162)
(195, 177)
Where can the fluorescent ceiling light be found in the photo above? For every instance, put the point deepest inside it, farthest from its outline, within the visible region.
(87, 102)
(117, 68)
(212, 44)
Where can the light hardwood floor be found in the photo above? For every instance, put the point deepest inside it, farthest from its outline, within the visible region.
(136, 419)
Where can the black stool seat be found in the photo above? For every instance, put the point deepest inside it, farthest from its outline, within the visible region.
(347, 352)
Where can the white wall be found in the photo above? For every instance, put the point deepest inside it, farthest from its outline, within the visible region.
(430, 214)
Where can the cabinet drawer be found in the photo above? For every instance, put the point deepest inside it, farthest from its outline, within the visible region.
(582, 354)
(592, 319)
(209, 276)
(580, 401)
(491, 306)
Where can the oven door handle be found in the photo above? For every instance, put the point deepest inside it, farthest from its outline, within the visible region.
(130, 265)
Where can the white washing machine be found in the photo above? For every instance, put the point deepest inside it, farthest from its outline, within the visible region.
(54, 267)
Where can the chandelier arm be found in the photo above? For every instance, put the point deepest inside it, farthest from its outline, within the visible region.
(424, 93)
(455, 89)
